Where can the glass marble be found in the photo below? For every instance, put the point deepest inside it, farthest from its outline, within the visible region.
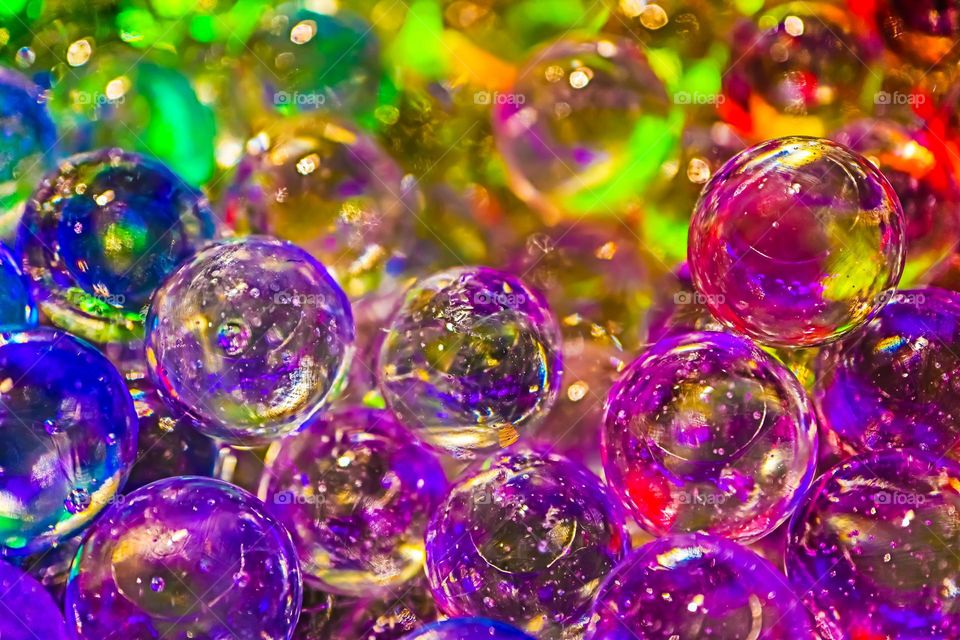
(68, 436)
(873, 548)
(706, 432)
(355, 490)
(895, 383)
(925, 32)
(169, 445)
(525, 538)
(331, 189)
(470, 360)
(797, 68)
(28, 141)
(796, 242)
(27, 611)
(185, 558)
(387, 617)
(555, 128)
(101, 233)
(467, 629)
(693, 586)
(912, 160)
(310, 60)
(250, 337)
(16, 303)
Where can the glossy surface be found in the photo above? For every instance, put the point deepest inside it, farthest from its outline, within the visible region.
(796, 242)
(100, 235)
(27, 145)
(361, 210)
(68, 437)
(356, 491)
(467, 629)
(553, 127)
(471, 360)
(250, 337)
(524, 538)
(28, 611)
(873, 548)
(694, 587)
(706, 432)
(185, 558)
(893, 384)
(16, 304)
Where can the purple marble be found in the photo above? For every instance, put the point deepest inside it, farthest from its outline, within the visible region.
(27, 611)
(707, 432)
(101, 233)
(467, 629)
(355, 490)
(68, 437)
(694, 587)
(185, 558)
(895, 383)
(525, 538)
(796, 241)
(873, 548)
(250, 337)
(471, 360)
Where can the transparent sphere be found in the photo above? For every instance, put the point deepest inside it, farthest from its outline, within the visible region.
(168, 444)
(509, 28)
(525, 538)
(310, 60)
(874, 548)
(895, 383)
(250, 337)
(706, 432)
(924, 32)
(27, 145)
(185, 558)
(585, 127)
(68, 437)
(923, 180)
(796, 242)
(29, 612)
(797, 68)
(355, 490)
(695, 586)
(16, 303)
(331, 189)
(99, 236)
(467, 629)
(470, 360)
